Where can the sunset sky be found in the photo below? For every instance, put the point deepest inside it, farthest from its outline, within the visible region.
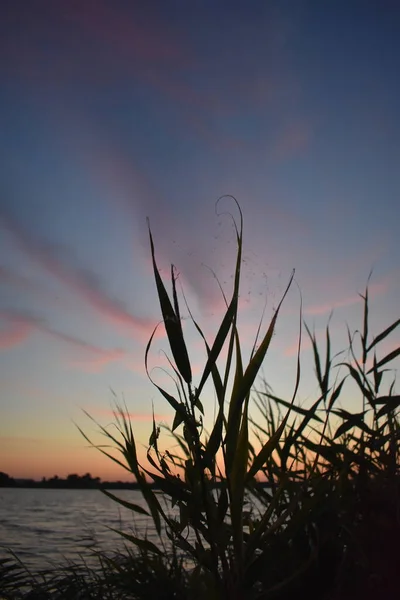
(114, 111)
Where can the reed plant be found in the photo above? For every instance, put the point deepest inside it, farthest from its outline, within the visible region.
(347, 462)
(126, 575)
(302, 501)
(212, 529)
(315, 474)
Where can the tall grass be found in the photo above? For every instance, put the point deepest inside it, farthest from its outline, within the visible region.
(318, 474)
(119, 576)
(213, 530)
(333, 475)
(348, 462)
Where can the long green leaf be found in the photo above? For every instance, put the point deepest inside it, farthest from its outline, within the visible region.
(364, 336)
(100, 449)
(218, 342)
(384, 334)
(125, 503)
(354, 420)
(239, 394)
(143, 544)
(329, 453)
(302, 411)
(215, 439)
(317, 360)
(237, 484)
(335, 395)
(172, 322)
(214, 370)
(177, 406)
(387, 359)
(384, 399)
(362, 383)
(325, 380)
(257, 360)
(266, 450)
(392, 402)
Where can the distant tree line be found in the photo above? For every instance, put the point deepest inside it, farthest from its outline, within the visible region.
(72, 481)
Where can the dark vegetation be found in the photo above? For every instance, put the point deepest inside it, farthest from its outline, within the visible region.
(329, 525)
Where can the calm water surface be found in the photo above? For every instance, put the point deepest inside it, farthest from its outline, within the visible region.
(44, 526)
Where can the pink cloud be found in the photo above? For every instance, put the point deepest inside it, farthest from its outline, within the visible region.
(132, 416)
(156, 53)
(374, 289)
(58, 262)
(112, 168)
(97, 43)
(92, 358)
(292, 349)
(14, 333)
(130, 37)
(19, 326)
(109, 166)
(322, 309)
(20, 282)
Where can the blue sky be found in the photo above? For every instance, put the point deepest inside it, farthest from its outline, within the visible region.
(112, 112)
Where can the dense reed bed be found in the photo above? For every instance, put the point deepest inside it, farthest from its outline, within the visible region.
(327, 525)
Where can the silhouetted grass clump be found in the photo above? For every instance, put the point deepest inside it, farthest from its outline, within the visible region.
(327, 525)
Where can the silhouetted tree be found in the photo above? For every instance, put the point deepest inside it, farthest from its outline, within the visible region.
(6, 480)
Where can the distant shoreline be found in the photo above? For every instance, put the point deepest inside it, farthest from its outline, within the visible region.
(103, 485)
(74, 482)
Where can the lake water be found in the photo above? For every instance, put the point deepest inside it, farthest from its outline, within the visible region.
(46, 526)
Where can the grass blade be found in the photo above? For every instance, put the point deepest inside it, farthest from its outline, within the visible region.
(394, 354)
(125, 503)
(172, 322)
(384, 334)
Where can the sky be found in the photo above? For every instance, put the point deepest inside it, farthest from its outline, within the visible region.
(112, 112)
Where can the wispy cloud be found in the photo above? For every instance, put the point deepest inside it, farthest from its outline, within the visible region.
(31, 288)
(292, 349)
(133, 37)
(140, 417)
(374, 289)
(92, 358)
(9, 277)
(14, 331)
(19, 326)
(97, 44)
(57, 260)
(137, 197)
